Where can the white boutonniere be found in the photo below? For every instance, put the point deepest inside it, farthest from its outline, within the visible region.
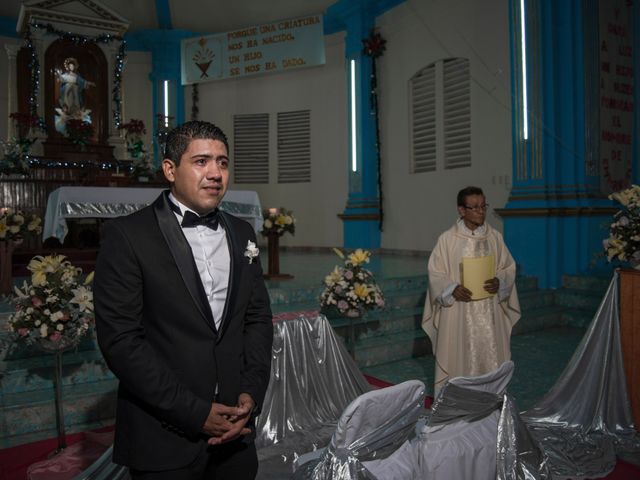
(252, 251)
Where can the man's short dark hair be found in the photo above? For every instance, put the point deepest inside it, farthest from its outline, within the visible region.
(179, 138)
(466, 192)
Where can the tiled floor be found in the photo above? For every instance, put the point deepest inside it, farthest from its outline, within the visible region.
(539, 359)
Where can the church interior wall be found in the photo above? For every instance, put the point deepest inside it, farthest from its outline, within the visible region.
(418, 207)
(322, 90)
(137, 92)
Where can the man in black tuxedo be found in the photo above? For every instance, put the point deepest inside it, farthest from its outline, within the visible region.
(184, 322)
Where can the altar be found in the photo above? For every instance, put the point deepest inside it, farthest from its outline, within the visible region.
(105, 202)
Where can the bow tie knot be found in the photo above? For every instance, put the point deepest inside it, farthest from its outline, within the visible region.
(210, 220)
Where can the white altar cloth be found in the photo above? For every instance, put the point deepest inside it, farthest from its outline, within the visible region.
(109, 202)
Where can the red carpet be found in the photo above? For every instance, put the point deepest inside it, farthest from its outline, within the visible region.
(14, 461)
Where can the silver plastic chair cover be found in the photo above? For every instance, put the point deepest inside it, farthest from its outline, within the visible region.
(313, 379)
(518, 457)
(585, 419)
(372, 427)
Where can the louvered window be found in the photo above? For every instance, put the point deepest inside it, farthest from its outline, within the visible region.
(251, 148)
(423, 120)
(457, 113)
(294, 147)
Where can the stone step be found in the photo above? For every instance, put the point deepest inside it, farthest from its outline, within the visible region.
(378, 323)
(582, 299)
(593, 283)
(538, 319)
(531, 300)
(525, 284)
(577, 317)
(391, 347)
(391, 287)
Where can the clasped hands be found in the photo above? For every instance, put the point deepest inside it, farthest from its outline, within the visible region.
(462, 294)
(226, 423)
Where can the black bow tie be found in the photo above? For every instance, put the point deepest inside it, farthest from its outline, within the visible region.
(210, 220)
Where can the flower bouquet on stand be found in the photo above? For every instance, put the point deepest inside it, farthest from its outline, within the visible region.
(15, 226)
(624, 233)
(350, 290)
(54, 312)
(277, 222)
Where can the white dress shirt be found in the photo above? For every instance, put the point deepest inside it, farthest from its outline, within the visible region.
(211, 254)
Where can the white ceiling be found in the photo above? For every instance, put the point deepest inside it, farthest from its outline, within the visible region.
(203, 16)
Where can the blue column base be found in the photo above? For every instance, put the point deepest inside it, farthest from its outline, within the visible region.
(361, 227)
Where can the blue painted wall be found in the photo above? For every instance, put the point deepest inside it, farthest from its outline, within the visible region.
(556, 217)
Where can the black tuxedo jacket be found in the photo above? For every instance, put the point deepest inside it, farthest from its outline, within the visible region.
(157, 334)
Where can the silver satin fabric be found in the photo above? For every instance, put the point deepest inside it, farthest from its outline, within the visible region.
(585, 419)
(368, 430)
(88, 209)
(518, 457)
(313, 379)
(98, 209)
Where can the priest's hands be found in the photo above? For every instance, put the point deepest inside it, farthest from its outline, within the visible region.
(462, 294)
(492, 286)
(225, 423)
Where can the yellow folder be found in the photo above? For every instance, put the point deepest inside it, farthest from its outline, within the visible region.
(476, 271)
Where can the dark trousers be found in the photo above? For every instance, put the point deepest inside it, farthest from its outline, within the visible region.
(232, 461)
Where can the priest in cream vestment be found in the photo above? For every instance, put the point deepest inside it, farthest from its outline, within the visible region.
(469, 337)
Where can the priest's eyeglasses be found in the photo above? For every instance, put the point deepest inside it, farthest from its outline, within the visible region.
(478, 208)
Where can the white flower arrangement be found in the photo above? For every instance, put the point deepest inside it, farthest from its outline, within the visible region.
(15, 225)
(252, 251)
(55, 309)
(351, 289)
(624, 233)
(278, 221)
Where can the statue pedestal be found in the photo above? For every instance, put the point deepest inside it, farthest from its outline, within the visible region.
(64, 151)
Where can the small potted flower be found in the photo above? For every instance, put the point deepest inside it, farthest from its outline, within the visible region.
(623, 243)
(133, 132)
(79, 132)
(16, 151)
(351, 289)
(142, 167)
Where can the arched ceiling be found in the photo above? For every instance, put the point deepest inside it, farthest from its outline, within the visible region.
(203, 16)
